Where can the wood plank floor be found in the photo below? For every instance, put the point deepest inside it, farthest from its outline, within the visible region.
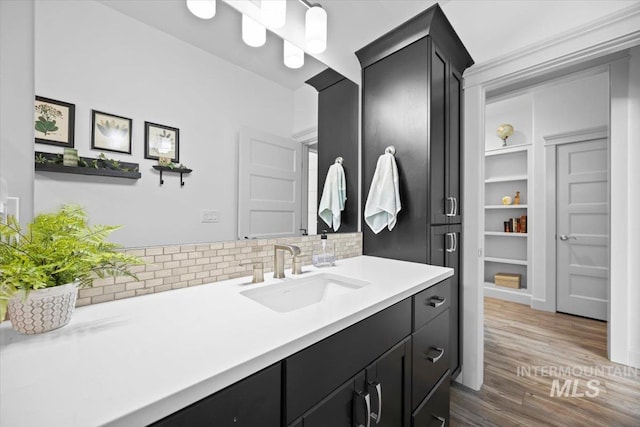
(517, 336)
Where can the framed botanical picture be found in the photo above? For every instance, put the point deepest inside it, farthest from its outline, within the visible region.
(110, 132)
(54, 122)
(161, 141)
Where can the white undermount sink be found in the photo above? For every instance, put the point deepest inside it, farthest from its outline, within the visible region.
(293, 294)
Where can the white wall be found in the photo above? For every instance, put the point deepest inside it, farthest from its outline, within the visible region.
(92, 56)
(633, 198)
(305, 109)
(516, 111)
(312, 212)
(16, 102)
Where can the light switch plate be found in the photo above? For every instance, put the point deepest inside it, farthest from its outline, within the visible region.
(210, 216)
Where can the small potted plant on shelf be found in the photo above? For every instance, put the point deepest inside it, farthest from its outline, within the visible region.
(42, 267)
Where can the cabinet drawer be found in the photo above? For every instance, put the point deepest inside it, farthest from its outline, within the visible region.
(431, 302)
(315, 372)
(434, 410)
(430, 356)
(251, 402)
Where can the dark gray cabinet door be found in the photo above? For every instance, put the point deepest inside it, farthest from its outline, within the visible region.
(434, 410)
(254, 401)
(445, 249)
(453, 152)
(430, 353)
(386, 384)
(445, 184)
(345, 407)
(439, 169)
(389, 387)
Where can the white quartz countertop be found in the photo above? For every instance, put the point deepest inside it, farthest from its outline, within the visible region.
(135, 361)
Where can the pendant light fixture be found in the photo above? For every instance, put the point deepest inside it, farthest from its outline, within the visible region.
(316, 29)
(274, 13)
(293, 55)
(253, 33)
(203, 9)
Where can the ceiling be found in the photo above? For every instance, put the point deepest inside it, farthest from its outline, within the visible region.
(489, 28)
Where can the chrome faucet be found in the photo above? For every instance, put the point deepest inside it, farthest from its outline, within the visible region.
(278, 260)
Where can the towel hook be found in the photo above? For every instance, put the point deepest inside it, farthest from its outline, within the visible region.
(391, 150)
(339, 160)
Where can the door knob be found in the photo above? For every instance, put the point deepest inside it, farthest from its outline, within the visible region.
(564, 237)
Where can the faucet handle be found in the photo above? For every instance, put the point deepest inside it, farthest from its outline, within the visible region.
(258, 270)
(296, 265)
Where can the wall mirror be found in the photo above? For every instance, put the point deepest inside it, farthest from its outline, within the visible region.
(153, 62)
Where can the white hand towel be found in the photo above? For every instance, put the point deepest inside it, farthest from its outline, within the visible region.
(383, 202)
(334, 195)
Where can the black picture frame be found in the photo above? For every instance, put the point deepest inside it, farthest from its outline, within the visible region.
(151, 133)
(57, 117)
(115, 136)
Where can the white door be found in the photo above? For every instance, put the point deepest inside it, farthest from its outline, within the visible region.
(582, 228)
(269, 185)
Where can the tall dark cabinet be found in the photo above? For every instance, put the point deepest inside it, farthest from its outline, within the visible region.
(338, 137)
(411, 99)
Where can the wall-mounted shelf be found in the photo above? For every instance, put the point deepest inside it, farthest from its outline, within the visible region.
(507, 260)
(501, 233)
(88, 170)
(506, 207)
(506, 150)
(506, 179)
(181, 171)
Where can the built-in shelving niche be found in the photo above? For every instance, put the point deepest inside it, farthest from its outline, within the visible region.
(506, 172)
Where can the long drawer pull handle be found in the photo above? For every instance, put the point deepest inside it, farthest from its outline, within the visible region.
(434, 359)
(455, 242)
(436, 301)
(452, 246)
(455, 206)
(443, 421)
(452, 212)
(367, 402)
(378, 387)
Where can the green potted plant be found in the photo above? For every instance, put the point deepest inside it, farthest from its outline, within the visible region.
(42, 267)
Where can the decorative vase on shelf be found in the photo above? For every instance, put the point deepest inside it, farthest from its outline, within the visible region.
(504, 131)
(506, 200)
(516, 200)
(70, 157)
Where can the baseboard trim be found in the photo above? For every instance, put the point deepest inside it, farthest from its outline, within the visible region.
(506, 295)
(634, 359)
(542, 305)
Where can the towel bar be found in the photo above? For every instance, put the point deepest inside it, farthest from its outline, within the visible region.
(391, 150)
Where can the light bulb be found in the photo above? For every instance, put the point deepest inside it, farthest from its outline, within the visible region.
(203, 9)
(293, 55)
(316, 29)
(274, 13)
(253, 33)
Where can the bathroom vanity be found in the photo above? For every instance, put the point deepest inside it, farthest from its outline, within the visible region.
(371, 349)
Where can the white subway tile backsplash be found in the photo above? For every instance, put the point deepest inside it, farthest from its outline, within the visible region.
(179, 266)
